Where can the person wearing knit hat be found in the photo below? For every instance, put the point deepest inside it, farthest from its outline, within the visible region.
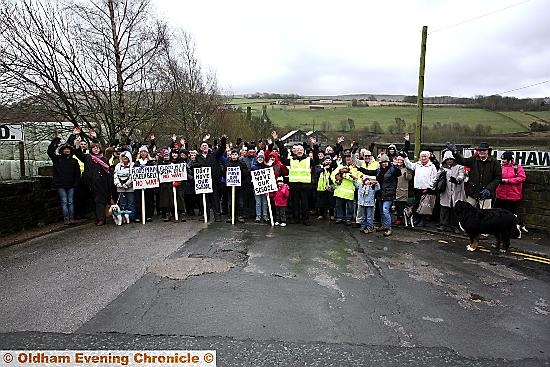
(387, 175)
(509, 192)
(261, 200)
(144, 159)
(454, 191)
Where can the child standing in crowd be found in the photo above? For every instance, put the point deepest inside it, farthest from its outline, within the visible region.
(366, 200)
(281, 200)
(122, 178)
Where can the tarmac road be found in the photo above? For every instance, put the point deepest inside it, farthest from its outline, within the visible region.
(319, 295)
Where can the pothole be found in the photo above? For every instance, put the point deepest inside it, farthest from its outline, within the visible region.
(183, 268)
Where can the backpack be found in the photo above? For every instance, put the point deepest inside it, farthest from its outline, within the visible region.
(441, 182)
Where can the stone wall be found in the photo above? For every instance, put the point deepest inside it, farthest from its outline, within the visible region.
(535, 206)
(27, 204)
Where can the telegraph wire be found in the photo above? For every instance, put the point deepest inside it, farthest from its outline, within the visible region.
(478, 17)
(527, 86)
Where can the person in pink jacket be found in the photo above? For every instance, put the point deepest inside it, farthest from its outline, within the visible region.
(281, 200)
(509, 192)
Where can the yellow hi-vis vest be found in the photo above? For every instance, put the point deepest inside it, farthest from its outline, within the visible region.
(323, 180)
(346, 189)
(300, 171)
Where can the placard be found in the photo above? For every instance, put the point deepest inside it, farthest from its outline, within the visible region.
(172, 172)
(203, 180)
(264, 181)
(11, 133)
(523, 157)
(233, 176)
(145, 177)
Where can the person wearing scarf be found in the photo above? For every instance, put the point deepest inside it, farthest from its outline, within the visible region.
(96, 168)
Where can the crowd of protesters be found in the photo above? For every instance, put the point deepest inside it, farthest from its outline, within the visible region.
(347, 185)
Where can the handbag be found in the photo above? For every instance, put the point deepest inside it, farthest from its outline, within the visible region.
(441, 183)
(426, 204)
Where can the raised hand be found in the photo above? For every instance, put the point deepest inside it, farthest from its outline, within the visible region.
(173, 137)
(407, 137)
(340, 139)
(77, 130)
(274, 135)
(206, 137)
(152, 137)
(92, 133)
(312, 140)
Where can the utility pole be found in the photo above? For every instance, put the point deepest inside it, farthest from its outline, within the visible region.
(419, 115)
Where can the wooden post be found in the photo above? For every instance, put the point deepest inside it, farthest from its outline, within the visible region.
(204, 208)
(232, 204)
(419, 115)
(270, 211)
(22, 160)
(175, 203)
(143, 215)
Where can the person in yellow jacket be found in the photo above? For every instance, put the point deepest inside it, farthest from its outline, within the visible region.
(344, 192)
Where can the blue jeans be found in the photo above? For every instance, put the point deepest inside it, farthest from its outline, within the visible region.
(261, 207)
(126, 202)
(385, 208)
(344, 209)
(368, 217)
(67, 201)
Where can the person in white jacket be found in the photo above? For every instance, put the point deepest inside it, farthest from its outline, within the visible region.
(122, 178)
(425, 176)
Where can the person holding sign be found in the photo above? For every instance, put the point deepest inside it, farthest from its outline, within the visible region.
(123, 182)
(144, 159)
(166, 202)
(261, 199)
(208, 159)
(238, 176)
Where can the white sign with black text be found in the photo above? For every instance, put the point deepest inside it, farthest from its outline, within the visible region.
(172, 172)
(203, 180)
(11, 133)
(233, 176)
(264, 181)
(522, 157)
(145, 177)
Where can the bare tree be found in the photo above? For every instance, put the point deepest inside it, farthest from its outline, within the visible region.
(194, 93)
(95, 63)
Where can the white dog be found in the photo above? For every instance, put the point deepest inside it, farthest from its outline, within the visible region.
(115, 211)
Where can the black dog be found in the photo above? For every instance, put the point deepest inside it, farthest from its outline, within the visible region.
(500, 222)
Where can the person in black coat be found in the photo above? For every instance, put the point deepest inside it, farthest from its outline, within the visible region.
(66, 174)
(99, 178)
(207, 158)
(246, 179)
(386, 175)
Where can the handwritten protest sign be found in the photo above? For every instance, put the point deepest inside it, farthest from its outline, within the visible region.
(172, 172)
(264, 181)
(145, 177)
(233, 177)
(203, 180)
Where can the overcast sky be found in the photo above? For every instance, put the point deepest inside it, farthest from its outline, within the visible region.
(318, 47)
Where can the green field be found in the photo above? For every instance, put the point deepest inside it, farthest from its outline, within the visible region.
(301, 117)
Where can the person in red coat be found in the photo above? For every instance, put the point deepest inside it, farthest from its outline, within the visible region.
(509, 192)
